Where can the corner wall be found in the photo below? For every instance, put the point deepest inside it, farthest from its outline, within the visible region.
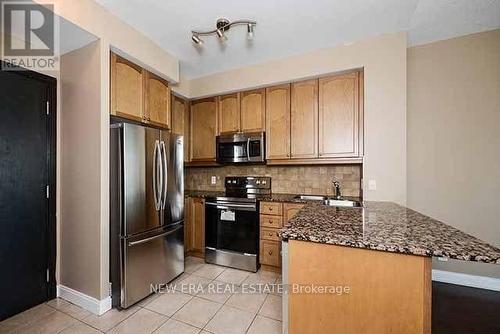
(80, 230)
(454, 137)
(92, 17)
(384, 61)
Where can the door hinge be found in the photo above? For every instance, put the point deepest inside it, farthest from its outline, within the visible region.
(47, 192)
(48, 275)
(48, 107)
(110, 289)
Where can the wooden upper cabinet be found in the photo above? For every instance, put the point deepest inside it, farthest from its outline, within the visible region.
(157, 109)
(278, 122)
(229, 113)
(180, 122)
(304, 119)
(339, 115)
(203, 115)
(253, 110)
(127, 88)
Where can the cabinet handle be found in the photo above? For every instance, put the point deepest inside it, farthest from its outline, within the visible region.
(270, 252)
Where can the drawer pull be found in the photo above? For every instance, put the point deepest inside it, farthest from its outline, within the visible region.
(270, 234)
(270, 208)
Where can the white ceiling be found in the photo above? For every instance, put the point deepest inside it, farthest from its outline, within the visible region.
(72, 37)
(288, 27)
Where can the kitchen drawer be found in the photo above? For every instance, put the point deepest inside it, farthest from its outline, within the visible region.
(271, 208)
(271, 221)
(269, 234)
(270, 253)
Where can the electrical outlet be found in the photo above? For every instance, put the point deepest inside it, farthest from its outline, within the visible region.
(372, 185)
(213, 180)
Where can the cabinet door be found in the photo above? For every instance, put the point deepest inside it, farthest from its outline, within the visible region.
(203, 116)
(229, 113)
(127, 89)
(253, 106)
(304, 119)
(290, 210)
(278, 122)
(339, 117)
(198, 220)
(180, 122)
(157, 101)
(270, 253)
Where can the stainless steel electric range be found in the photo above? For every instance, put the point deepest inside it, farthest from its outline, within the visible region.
(232, 223)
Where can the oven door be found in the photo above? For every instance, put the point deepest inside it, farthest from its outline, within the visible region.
(232, 227)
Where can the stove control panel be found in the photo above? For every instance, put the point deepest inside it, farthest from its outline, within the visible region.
(248, 182)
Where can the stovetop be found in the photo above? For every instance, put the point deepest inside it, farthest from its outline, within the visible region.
(245, 188)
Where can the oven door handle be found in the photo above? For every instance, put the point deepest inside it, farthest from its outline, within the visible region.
(244, 207)
(248, 149)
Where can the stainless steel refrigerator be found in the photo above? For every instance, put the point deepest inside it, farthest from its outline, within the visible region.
(147, 211)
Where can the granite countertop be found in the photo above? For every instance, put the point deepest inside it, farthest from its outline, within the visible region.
(274, 197)
(389, 227)
(268, 198)
(203, 193)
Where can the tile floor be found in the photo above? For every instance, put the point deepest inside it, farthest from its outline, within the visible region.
(184, 311)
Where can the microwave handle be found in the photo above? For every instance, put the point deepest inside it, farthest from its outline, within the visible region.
(248, 149)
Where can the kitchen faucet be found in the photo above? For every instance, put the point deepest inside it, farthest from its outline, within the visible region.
(338, 194)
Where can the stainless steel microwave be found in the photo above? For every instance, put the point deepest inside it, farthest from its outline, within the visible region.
(241, 148)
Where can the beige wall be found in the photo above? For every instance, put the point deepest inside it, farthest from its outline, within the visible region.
(313, 180)
(454, 136)
(384, 61)
(80, 138)
(116, 35)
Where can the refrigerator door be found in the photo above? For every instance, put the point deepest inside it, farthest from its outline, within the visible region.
(173, 199)
(149, 261)
(142, 179)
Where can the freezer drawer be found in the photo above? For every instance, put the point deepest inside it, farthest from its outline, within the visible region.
(150, 260)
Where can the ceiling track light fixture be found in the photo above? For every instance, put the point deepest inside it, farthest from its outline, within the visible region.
(222, 26)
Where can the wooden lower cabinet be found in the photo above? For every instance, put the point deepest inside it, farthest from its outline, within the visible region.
(271, 220)
(290, 210)
(375, 292)
(270, 253)
(194, 234)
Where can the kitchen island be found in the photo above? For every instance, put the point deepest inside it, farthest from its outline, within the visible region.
(376, 261)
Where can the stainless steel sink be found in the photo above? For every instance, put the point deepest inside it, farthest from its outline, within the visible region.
(342, 203)
(311, 197)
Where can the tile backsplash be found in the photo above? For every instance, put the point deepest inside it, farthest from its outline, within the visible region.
(316, 180)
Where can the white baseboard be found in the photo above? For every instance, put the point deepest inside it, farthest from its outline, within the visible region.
(91, 304)
(473, 281)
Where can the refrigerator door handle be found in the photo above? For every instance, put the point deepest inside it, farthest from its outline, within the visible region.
(164, 169)
(143, 241)
(155, 172)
